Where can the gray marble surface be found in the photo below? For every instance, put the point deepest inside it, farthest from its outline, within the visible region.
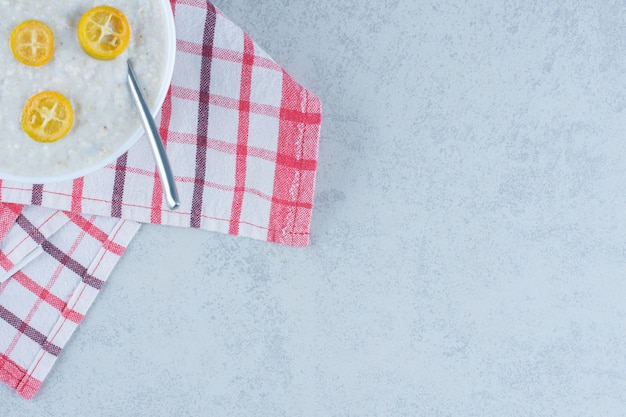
(468, 254)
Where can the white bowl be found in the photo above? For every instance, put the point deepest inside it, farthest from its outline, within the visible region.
(169, 34)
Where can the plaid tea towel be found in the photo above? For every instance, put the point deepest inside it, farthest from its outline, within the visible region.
(242, 138)
(42, 304)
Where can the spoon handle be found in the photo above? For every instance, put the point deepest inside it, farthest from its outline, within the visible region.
(156, 143)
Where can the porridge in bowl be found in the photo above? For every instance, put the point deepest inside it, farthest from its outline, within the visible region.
(105, 122)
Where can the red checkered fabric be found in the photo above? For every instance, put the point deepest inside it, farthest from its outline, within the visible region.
(43, 303)
(8, 214)
(242, 137)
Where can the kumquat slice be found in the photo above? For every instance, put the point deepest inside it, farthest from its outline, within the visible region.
(103, 32)
(47, 116)
(32, 43)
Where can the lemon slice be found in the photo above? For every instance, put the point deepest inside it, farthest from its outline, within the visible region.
(47, 116)
(32, 43)
(103, 32)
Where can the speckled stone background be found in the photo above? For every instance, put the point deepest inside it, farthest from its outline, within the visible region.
(468, 255)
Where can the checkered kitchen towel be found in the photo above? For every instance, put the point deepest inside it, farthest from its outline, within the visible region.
(242, 137)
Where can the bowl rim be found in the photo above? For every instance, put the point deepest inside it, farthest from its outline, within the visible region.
(155, 109)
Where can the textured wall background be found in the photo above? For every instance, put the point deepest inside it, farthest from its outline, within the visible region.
(468, 254)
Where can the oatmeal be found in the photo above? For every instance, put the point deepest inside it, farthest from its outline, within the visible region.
(104, 115)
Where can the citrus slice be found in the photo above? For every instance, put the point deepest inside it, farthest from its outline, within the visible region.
(103, 32)
(32, 43)
(47, 116)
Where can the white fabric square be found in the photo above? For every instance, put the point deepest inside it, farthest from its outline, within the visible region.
(96, 205)
(180, 167)
(227, 35)
(141, 182)
(267, 86)
(220, 168)
(185, 118)
(188, 20)
(260, 175)
(57, 191)
(223, 124)
(97, 184)
(6, 334)
(263, 132)
(225, 78)
(187, 69)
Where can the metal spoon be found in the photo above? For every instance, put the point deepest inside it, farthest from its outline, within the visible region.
(156, 143)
